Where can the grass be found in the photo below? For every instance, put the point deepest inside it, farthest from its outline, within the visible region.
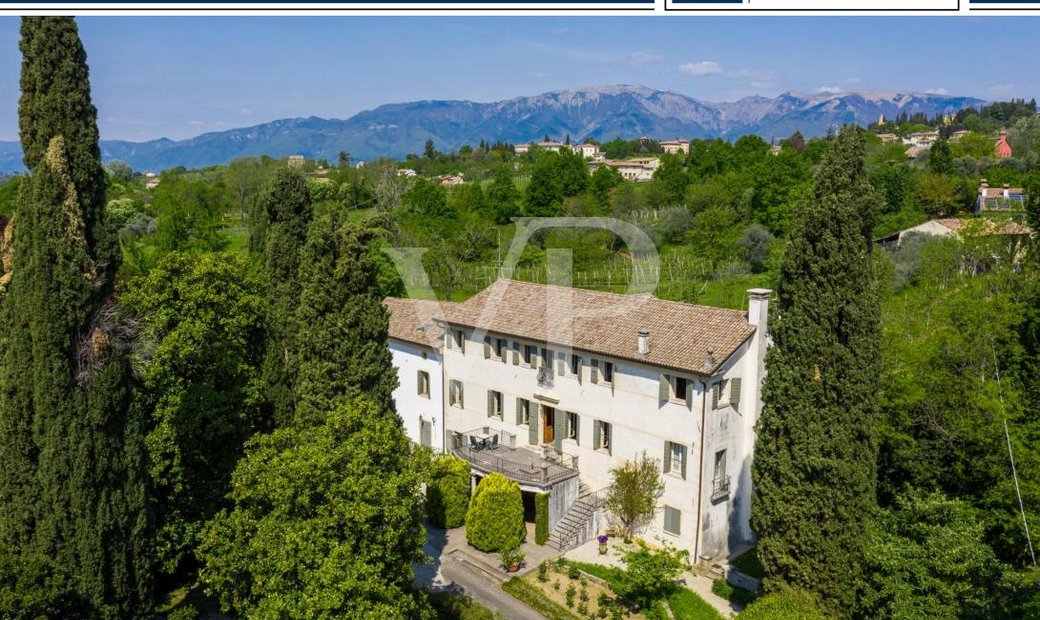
(686, 605)
(532, 595)
(238, 239)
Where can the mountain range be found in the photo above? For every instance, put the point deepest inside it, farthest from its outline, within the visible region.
(602, 112)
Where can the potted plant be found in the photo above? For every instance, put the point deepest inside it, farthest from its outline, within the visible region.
(512, 559)
(602, 544)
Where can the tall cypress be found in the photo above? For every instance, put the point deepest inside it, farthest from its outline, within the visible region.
(342, 323)
(278, 234)
(73, 484)
(816, 454)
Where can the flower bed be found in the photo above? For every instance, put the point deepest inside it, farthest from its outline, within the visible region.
(566, 592)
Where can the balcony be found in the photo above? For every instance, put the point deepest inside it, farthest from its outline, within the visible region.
(720, 489)
(491, 451)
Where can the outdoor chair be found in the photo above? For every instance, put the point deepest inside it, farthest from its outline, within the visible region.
(494, 442)
(473, 443)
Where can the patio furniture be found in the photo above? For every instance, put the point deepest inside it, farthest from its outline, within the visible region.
(494, 442)
(474, 444)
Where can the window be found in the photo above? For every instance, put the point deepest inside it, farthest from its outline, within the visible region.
(601, 436)
(500, 348)
(426, 433)
(672, 520)
(455, 393)
(572, 426)
(679, 385)
(530, 351)
(608, 372)
(720, 482)
(423, 383)
(675, 459)
(720, 464)
(460, 339)
(576, 365)
(494, 404)
(523, 411)
(546, 361)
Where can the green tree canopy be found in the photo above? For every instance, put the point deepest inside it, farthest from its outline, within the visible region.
(495, 518)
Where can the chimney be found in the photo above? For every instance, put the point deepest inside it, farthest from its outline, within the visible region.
(643, 342)
(758, 307)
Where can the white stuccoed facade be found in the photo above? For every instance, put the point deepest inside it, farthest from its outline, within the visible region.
(706, 503)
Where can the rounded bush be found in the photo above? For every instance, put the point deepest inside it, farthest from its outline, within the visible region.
(447, 495)
(495, 519)
(784, 604)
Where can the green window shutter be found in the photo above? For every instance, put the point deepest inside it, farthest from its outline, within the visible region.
(734, 392)
(689, 395)
(597, 437)
(594, 371)
(666, 462)
(447, 339)
(715, 389)
(561, 364)
(559, 428)
(664, 388)
(516, 412)
(579, 368)
(532, 427)
(672, 520)
(516, 353)
(487, 347)
(577, 429)
(490, 403)
(684, 459)
(505, 351)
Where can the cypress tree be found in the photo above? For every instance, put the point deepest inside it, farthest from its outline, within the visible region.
(816, 454)
(279, 232)
(342, 323)
(73, 484)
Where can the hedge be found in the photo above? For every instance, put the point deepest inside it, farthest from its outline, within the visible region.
(447, 495)
(495, 519)
(530, 595)
(541, 518)
(785, 604)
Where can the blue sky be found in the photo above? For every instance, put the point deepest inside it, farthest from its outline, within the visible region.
(179, 77)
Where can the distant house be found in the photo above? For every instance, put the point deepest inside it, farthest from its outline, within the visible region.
(636, 170)
(1004, 199)
(452, 179)
(672, 147)
(888, 137)
(922, 139)
(406, 172)
(957, 228)
(775, 149)
(151, 180)
(587, 151)
(957, 135)
(296, 161)
(1002, 150)
(547, 145)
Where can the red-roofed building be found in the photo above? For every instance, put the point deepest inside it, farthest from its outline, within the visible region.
(1003, 149)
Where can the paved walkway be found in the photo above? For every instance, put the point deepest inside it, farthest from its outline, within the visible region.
(589, 552)
(457, 566)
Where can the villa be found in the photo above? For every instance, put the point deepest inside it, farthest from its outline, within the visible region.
(553, 386)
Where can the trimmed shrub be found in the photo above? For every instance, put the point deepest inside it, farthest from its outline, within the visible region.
(495, 519)
(447, 494)
(784, 604)
(541, 518)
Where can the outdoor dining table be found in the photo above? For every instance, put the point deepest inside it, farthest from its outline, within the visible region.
(484, 439)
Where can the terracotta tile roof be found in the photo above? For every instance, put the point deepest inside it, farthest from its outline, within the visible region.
(412, 320)
(681, 334)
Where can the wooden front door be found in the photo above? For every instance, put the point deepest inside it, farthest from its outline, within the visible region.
(548, 424)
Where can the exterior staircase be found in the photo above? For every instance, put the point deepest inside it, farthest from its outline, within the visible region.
(579, 524)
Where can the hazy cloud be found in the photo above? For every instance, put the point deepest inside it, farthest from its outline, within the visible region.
(643, 58)
(830, 90)
(937, 91)
(704, 67)
(853, 80)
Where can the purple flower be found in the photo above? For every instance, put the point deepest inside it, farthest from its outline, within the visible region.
(602, 539)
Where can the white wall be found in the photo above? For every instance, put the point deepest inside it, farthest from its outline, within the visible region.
(409, 359)
(640, 423)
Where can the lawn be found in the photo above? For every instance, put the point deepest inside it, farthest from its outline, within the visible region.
(685, 603)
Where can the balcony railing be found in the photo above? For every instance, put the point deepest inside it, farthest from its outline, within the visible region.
(720, 488)
(490, 451)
